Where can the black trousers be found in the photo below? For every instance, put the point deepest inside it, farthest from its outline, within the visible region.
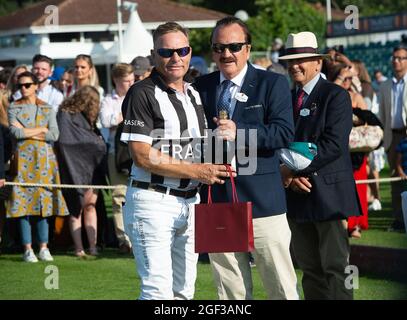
(321, 250)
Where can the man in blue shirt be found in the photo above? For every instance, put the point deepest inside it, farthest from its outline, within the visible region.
(393, 114)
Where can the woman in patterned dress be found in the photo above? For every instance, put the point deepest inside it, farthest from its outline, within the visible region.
(33, 124)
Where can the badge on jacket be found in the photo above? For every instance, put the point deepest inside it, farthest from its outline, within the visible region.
(240, 96)
(304, 112)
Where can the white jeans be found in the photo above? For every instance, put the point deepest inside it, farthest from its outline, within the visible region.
(161, 229)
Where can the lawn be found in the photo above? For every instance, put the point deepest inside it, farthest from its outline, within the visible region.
(113, 276)
(380, 221)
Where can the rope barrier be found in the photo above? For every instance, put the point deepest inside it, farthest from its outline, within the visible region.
(63, 186)
(378, 180)
(73, 186)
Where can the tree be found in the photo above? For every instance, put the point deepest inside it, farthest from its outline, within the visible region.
(278, 18)
(227, 6)
(371, 7)
(7, 6)
(200, 42)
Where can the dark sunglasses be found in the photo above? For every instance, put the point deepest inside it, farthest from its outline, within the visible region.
(25, 85)
(398, 58)
(167, 53)
(233, 47)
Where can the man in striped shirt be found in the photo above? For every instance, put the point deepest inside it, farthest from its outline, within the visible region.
(164, 124)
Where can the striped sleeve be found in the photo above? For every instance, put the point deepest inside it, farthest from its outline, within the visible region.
(138, 122)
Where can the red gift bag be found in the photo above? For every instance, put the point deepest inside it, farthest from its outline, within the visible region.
(224, 227)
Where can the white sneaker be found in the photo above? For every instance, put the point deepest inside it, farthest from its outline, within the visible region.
(29, 256)
(45, 255)
(375, 205)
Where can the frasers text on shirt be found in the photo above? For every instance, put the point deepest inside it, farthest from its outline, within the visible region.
(136, 123)
(210, 149)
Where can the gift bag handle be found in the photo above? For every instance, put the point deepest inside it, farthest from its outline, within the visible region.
(232, 180)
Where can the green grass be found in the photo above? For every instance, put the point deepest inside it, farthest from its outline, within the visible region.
(113, 276)
(379, 238)
(380, 221)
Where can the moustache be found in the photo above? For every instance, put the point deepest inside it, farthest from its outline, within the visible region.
(226, 60)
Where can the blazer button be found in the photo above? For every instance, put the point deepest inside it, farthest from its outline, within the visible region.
(315, 173)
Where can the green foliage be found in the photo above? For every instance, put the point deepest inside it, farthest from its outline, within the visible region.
(7, 6)
(226, 6)
(278, 18)
(366, 8)
(375, 7)
(199, 40)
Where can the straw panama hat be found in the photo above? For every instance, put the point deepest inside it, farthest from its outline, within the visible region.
(301, 45)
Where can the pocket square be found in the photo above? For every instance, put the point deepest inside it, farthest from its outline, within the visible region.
(253, 107)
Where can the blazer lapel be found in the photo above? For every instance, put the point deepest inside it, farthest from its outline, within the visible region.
(308, 104)
(211, 98)
(248, 88)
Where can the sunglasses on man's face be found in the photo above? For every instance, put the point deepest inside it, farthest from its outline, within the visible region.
(25, 85)
(167, 53)
(233, 47)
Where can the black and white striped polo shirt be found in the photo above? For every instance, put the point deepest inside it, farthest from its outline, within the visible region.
(172, 122)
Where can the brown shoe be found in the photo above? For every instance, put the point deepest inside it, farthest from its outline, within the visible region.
(94, 252)
(125, 248)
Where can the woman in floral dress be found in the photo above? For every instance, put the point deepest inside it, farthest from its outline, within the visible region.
(33, 125)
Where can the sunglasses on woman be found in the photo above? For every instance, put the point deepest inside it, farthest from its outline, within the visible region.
(233, 47)
(167, 53)
(25, 85)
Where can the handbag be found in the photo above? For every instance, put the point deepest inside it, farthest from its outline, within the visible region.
(224, 227)
(13, 168)
(365, 138)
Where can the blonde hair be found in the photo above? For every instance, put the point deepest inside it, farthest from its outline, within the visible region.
(363, 74)
(93, 78)
(4, 104)
(122, 70)
(85, 100)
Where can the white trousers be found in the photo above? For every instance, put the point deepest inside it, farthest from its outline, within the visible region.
(161, 230)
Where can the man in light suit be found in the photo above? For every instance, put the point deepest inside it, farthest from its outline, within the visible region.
(321, 196)
(393, 114)
(259, 100)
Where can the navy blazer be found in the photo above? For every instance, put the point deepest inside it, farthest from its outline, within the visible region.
(328, 125)
(268, 109)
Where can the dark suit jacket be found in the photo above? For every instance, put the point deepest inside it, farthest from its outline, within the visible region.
(269, 110)
(2, 152)
(333, 194)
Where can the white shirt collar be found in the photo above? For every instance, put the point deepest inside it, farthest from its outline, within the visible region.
(47, 87)
(402, 79)
(238, 80)
(311, 84)
(115, 95)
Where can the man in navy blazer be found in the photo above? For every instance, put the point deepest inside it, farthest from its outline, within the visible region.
(323, 195)
(261, 101)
